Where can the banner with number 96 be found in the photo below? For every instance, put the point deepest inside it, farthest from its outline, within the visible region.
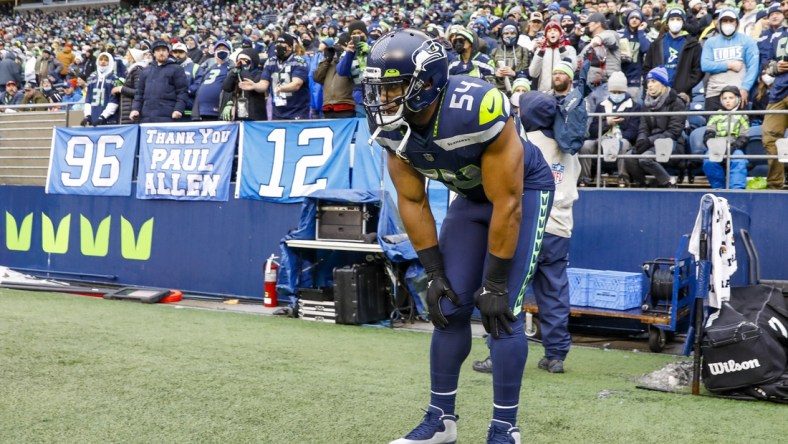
(92, 161)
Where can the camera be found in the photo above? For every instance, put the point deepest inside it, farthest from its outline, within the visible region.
(356, 39)
(540, 34)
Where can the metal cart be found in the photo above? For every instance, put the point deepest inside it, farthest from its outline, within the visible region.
(667, 304)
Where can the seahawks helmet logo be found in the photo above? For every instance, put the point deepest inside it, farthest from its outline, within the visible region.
(427, 53)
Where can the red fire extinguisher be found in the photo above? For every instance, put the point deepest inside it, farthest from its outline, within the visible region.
(271, 269)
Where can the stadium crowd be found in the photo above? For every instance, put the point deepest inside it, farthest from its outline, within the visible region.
(259, 60)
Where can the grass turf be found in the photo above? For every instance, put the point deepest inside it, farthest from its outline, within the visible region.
(78, 369)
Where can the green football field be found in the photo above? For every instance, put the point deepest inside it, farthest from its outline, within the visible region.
(83, 370)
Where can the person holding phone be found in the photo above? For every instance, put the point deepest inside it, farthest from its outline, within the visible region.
(240, 104)
(354, 61)
(552, 50)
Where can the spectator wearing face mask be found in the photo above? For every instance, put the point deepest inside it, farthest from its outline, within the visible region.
(510, 59)
(678, 52)
(240, 104)
(730, 58)
(624, 130)
(548, 52)
(287, 75)
(469, 61)
(209, 94)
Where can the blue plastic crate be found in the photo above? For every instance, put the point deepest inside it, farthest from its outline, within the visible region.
(615, 290)
(578, 286)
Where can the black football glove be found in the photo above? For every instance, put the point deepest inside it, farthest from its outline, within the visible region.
(85, 122)
(493, 303)
(437, 288)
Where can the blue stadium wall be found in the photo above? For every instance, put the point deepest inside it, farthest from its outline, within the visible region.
(220, 248)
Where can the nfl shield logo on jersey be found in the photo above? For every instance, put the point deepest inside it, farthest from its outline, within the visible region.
(558, 172)
(428, 157)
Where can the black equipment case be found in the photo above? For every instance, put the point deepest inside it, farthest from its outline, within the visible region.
(360, 294)
(346, 222)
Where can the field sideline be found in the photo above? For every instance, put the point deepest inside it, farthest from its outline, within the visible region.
(83, 370)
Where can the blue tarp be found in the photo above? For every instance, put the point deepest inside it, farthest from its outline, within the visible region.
(309, 270)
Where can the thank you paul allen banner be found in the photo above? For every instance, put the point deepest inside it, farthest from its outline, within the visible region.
(283, 162)
(92, 161)
(186, 162)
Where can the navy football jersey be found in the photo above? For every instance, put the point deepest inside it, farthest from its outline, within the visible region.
(289, 105)
(471, 115)
(99, 95)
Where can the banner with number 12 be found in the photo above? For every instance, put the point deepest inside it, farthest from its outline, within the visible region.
(284, 162)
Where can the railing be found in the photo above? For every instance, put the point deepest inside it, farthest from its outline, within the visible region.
(727, 156)
(12, 158)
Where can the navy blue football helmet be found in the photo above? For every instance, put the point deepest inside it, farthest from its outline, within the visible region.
(405, 67)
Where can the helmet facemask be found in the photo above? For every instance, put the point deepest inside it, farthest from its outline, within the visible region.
(384, 98)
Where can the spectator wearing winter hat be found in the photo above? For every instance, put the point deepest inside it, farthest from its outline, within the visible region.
(775, 24)
(287, 75)
(729, 58)
(624, 130)
(634, 46)
(338, 101)
(208, 100)
(510, 59)
(354, 61)
(521, 85)
(239, 104)
(194, 75)
(697, 18)
(551, 50)
(193, 50)
(660, 97)
(136, 62)
(678, 52)
(162, 90)
(469, 61)
(602, 56)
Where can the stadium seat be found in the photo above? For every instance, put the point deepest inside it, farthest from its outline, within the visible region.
(756, 167)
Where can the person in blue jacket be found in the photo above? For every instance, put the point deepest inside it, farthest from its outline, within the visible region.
(163, 89)
(632, 62)
(730, 58)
